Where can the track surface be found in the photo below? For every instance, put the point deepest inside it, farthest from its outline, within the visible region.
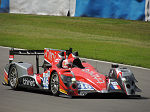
(39, 101)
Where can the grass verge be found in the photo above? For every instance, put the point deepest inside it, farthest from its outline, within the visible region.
(115, 40)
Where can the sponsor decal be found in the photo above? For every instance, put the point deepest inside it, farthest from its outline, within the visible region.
(46, 80)
(95, 76)
(84, 86)
(28, 82)
(63, 91)
(5, 77)
(115, 85)
(11, 57)
(48, 54)
(57, 60)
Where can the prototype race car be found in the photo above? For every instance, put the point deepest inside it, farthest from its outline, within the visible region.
(64, 73)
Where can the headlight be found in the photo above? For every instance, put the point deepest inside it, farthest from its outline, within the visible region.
(124, 79)
(73, 80)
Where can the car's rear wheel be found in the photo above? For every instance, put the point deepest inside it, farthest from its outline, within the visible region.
(54, 84)
(13, 77)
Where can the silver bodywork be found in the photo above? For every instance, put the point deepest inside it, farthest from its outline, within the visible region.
(128, 81)
(21, 68)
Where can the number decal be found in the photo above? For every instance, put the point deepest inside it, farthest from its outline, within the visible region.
(45, 80)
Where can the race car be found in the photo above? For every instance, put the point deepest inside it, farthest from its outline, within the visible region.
(65, 74)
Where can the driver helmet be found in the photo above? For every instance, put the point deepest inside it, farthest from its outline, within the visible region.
(67, 63)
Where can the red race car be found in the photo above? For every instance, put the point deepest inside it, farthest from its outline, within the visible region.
(65, 74)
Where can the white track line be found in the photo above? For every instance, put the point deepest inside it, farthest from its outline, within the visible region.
(5, 47)
(10, 48)
(115, 63)
(97, 61)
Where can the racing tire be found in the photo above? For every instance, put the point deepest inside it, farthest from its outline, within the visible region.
(13, 77)
(54, 84)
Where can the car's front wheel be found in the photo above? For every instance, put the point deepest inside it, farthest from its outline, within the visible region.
(54, 84)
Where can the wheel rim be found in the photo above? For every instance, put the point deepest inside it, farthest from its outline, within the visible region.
(13, 77)
(54, 84)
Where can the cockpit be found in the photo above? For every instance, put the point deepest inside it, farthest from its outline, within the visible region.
(72, 60)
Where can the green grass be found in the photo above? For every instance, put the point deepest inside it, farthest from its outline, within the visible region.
(114, 40)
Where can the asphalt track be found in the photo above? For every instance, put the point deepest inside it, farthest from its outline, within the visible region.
(38, 101)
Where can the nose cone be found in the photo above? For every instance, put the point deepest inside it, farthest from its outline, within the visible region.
(91, 77)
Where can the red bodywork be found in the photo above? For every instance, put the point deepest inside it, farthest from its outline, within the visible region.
(88, 75)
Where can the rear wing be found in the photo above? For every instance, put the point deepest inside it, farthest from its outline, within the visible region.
(13, 52)
(51, 54)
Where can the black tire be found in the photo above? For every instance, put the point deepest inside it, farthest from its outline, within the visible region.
(54, 84)
(13, 77)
